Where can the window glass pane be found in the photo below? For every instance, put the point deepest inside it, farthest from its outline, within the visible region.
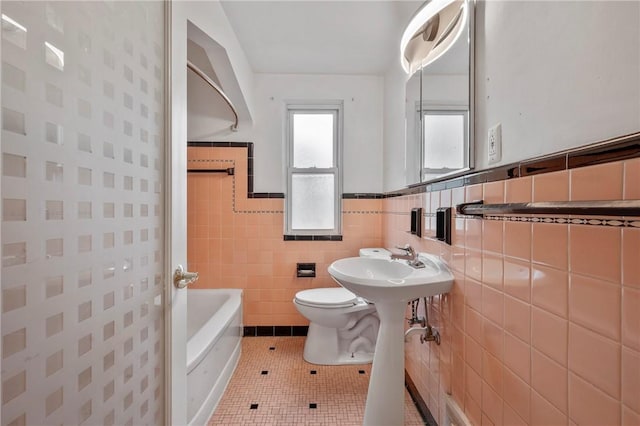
(313, 140)
(312, 201)
(439, 154)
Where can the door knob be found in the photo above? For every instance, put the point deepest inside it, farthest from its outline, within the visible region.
(182, 278)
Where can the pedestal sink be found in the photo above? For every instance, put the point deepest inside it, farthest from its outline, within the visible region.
(390, 284)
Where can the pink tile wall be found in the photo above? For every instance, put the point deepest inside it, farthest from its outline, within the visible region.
(237, 242)
(543, 323)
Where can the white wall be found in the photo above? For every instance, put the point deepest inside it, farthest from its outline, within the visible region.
(236, 76)
(394, 148)
(362, 96)
(567, 78)
(363, 126)
(557, 75)
(207, 112)
(208, 115)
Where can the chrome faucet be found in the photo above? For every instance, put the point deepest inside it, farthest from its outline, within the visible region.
(410, 256)
(410, 253)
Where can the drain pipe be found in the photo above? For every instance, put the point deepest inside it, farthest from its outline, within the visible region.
(426, 331)
(415, 319)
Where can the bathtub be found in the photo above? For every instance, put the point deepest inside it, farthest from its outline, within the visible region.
(214, 331)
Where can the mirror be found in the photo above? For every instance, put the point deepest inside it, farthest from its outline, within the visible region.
(437, 53)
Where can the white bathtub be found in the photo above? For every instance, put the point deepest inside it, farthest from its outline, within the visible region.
(214, 331)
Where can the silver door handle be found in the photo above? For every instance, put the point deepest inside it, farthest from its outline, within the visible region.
(182, 278)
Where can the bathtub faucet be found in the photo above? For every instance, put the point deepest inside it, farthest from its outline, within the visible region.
(410, 256)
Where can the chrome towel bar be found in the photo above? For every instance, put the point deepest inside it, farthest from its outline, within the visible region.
(230, 171)
(578, 208)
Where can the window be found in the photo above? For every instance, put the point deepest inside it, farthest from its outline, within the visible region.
(445, 141)
(313, 169)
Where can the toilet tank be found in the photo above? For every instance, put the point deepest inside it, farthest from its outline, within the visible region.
(374, 252)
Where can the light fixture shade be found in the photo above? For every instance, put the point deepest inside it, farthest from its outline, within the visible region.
(431, 32)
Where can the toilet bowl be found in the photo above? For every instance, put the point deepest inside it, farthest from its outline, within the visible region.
(343, 327)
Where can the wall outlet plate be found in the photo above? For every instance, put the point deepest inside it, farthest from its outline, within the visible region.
(494, 149)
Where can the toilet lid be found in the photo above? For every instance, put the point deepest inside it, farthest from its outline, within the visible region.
(336, 297)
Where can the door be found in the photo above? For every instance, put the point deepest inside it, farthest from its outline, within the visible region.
(176, 217)
(82, 213)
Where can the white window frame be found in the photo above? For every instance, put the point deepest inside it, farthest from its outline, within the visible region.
(442, 110)
(335, 107)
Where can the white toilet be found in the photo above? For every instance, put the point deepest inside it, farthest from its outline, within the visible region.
(343, 327)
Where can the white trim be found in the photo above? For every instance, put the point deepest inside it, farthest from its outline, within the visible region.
(1, 174)
(453, 414)
(175, 303)
(452, 106)
(472, 79)
(167, 215)
(308, 106)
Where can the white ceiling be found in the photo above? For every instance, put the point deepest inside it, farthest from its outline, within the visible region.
(320, 37)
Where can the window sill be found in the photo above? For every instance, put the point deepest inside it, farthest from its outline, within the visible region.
(312, 237)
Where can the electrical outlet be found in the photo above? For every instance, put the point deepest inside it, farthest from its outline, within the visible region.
(495, 144)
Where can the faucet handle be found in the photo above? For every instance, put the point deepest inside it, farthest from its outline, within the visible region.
(407, 248)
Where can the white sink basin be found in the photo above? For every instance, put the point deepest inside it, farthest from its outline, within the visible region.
(378, 279)
(390, 284)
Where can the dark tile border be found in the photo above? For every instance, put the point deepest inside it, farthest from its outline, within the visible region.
(275, 330)
(265, 331)
(223, 145)
(312, 237)
(282, 330)
(299, 330)
(250, 173)
(265, 195)
(536, 167)
(362, 196)
(424, 411)
(623, 148)
(410, 190)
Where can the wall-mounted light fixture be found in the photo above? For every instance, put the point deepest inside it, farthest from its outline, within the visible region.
(431, 32)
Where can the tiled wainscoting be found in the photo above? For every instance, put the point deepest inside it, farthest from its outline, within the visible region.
(275, 330)
(235, 240)
(542, 325)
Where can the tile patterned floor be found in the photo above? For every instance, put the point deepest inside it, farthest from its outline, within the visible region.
(273, 385)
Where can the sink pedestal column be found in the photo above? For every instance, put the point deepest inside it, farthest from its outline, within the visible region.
(385, 398)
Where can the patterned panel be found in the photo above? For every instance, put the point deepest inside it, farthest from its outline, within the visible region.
(82, 237)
